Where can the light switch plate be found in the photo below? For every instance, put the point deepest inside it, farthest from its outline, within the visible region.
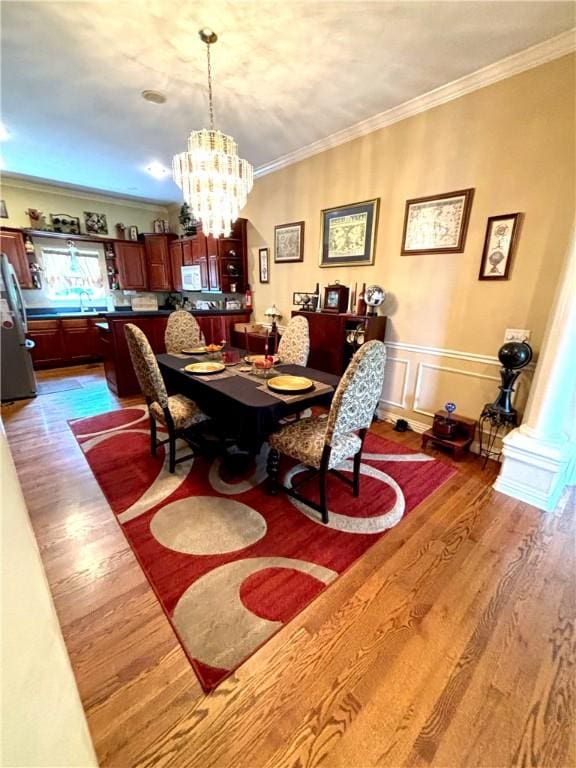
(517, 334)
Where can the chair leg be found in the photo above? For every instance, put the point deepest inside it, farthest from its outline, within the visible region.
(172, 446)
(273, 469)
(322, 476)
(356, 476)
(153, 444)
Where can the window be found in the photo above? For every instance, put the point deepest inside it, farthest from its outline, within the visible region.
(73, 275)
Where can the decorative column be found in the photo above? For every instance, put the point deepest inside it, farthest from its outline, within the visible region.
(540, 456)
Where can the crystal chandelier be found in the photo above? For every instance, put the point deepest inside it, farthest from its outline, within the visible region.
(214, 180)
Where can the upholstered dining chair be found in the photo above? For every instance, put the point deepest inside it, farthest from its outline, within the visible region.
(324, 443)
(177, 413)
(294, 346)
(182, 332)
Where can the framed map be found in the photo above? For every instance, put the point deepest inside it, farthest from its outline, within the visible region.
(349, 234)
(437, 224)
(289, 242)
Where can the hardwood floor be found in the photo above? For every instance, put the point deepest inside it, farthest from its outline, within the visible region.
(450, 643)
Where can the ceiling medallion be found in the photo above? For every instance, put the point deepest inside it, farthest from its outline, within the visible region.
(215, 182)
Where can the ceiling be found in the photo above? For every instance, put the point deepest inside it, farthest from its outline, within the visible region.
(286, 73)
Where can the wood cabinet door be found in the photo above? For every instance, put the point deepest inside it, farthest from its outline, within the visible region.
(200, 257)
(327, 341)
(77, 339)
(12, 244)
(176, 261)
(131, 263)
(158, 262)
(49, 344)
(187, 253)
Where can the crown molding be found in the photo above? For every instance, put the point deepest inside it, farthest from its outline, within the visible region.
(536, 55)
(69, 190)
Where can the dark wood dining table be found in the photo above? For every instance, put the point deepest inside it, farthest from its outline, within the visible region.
(238, 403)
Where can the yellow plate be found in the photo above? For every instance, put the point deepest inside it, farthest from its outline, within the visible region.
(260, 358)
(205, 368)
(195, 351)
(290, 384)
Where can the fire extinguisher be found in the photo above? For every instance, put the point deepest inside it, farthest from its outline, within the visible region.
(248, 298)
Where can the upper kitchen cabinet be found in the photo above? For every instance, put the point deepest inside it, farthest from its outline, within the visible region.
(158, 266)
(12, 244)
(131, 264)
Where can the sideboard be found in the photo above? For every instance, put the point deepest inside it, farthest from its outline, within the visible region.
(331, 337)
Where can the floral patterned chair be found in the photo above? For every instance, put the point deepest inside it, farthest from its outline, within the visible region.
(294, 346)
(182, 332)
(323, 444)
(177, 413)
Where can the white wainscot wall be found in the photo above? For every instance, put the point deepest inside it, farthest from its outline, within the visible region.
(418, 381)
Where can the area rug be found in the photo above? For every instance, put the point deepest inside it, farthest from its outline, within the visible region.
(229, 563)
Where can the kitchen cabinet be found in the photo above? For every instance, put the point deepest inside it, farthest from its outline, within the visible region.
(181, 255)
(131, 265)
(63, 341)
(12, 244)
(158, 258)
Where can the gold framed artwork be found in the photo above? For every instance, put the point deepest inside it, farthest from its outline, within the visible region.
(349, 234)
(289, 242)
(499, 243)
(437, 224)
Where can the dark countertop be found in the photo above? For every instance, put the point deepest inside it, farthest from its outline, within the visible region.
(48, 315)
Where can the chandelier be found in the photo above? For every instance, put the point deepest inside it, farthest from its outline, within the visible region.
(215, 182)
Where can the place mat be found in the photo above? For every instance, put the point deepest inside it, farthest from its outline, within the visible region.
(319, 389)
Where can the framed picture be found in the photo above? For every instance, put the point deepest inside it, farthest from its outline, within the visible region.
(437, 224)
(166, 225)
(159, 226)
(68, 225)
(263, 256)
(289, 242)
(3, 210)
(501, 235)
(95, 223)
(349, 234)
(133, 232)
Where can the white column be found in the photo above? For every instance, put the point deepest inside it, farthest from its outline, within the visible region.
(540, 456)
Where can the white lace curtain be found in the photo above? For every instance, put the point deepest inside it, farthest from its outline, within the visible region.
(68, 273)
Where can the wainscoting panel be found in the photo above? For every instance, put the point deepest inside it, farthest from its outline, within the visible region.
(438, 384)
(396, 380)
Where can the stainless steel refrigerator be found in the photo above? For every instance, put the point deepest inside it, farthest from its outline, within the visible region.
(17, 378)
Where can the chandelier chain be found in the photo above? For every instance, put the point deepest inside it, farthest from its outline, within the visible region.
(210, 104)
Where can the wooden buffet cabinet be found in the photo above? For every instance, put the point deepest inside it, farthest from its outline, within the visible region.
(329, 348)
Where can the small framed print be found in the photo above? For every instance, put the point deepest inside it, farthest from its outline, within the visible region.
(133, 232)
(289, 242)
(95, 223)
(263, 256)
(159, 226)
(499, 243)
(437, 224)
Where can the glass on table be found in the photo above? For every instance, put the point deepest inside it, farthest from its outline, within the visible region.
(230, 357)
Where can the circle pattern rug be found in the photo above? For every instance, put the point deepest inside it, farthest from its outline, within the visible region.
(229, 563)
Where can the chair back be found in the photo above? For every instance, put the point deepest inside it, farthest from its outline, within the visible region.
(357, 394)
(294, 345)
(182, 331)
(145, 366)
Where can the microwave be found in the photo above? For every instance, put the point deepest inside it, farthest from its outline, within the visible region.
(191, 278)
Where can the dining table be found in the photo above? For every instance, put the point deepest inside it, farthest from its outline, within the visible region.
(239, 401)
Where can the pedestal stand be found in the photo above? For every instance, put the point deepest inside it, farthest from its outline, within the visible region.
(499, 423)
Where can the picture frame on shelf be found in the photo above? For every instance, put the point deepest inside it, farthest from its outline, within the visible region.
(166, 226)
(437, 224)
(349, 234)
(263, 263)
(499, 245)
(289, 242)
(95, 223)
(336, 298)
(3, 210)
(133, 232)
(159, 226)
(67, 225)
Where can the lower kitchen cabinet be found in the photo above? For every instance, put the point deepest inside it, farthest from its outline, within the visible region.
(64, 341)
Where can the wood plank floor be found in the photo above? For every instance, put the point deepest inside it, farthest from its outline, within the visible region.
(450, 643)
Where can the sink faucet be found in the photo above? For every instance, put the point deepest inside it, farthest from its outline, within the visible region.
(84, 298)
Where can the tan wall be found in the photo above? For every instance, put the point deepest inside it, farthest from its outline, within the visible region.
(514, 143)
(20, 195)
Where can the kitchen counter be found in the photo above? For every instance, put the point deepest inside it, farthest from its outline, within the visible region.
(56, 315)
(165, 312)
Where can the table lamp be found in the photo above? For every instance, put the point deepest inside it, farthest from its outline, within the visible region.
(275, 314)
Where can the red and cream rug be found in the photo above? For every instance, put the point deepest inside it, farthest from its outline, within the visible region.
(229, 563)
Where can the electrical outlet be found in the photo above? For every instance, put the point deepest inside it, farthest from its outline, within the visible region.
(516, 334)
